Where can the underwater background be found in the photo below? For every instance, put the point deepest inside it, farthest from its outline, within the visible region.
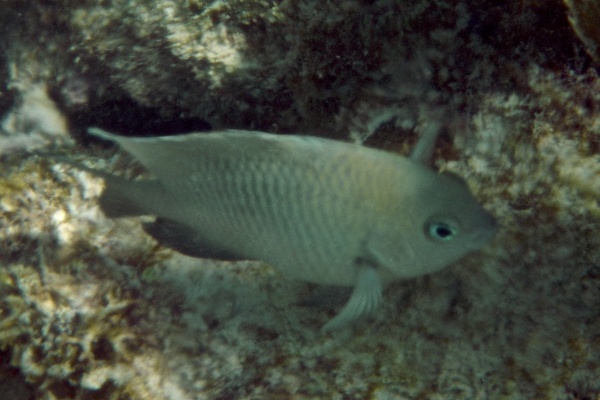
(93, 308)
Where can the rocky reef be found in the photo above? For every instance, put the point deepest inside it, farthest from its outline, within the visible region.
(93, 308)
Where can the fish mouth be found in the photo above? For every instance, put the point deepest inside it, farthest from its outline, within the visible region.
(489, 227)
(491, 223)
(487, 236)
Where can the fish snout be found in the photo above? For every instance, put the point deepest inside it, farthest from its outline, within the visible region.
(488, 228)
(491, 222)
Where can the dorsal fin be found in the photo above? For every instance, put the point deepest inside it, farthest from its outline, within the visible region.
(423, 149)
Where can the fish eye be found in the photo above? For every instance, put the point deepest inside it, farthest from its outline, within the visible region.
(441, 231)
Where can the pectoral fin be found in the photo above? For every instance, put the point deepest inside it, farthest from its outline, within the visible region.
(365, 299)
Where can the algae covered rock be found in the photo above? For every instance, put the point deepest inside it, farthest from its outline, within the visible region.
(584, 16)
(322, 67)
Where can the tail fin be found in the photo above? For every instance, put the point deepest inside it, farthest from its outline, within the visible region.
(125, 198)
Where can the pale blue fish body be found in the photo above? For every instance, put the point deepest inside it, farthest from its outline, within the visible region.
(318, 210)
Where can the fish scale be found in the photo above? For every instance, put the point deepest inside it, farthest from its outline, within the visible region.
(317, 210)
(311, 206)
(252, 187)
(290, 212)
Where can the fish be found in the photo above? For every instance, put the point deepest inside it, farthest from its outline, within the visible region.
(317, 210)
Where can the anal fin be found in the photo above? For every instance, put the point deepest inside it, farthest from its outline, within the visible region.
(187, 240)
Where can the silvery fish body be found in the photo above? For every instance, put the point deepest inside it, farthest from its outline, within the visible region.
(318, 210)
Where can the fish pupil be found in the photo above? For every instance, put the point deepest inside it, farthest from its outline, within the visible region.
(441, 231)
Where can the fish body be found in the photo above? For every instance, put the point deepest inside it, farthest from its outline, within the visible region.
(317, 210)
